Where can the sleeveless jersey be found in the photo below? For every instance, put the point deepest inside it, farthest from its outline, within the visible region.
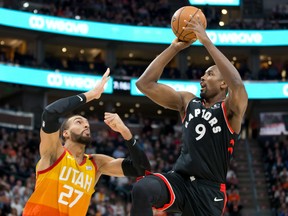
(208, 142)
(63, 189)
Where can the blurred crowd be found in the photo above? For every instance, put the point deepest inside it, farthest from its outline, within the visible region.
(143, 13)
(275, 153)
(161, 141)
(146, 13)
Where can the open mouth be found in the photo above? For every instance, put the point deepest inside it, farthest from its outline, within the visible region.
(203, 87)
(86, 133)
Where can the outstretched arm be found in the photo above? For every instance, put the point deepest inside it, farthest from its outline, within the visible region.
(50, 146)
(237, 99)
(160, 93)
(137, 165)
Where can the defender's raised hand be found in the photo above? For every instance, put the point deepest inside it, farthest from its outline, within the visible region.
(115, 123)
(99, 88)
(97, 91)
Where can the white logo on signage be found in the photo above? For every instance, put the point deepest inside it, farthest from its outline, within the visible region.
(38, 22)
(121, 85)
(59, 80)
(241, 38)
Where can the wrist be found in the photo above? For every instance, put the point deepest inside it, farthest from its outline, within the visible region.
(206, 42)
(89, 95)
(174, 48)
(126, 134)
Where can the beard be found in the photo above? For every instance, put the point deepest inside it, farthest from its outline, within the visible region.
(79, 138)
(203, 95)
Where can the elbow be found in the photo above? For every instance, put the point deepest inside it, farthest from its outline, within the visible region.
(140, 84)
(145, 86)
(48, 113)
(50, 121)
(45, 114)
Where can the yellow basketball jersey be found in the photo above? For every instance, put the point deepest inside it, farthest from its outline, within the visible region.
(63, 189)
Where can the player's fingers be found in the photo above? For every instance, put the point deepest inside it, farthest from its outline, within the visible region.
(105, 77)
(107, 72)
(109, 117)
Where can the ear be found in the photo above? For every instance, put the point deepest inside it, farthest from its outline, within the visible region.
(223, 85)
(65, 134)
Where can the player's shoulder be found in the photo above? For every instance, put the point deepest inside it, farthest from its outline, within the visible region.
(186, 97)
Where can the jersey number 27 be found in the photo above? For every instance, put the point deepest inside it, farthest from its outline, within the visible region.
(64, 196)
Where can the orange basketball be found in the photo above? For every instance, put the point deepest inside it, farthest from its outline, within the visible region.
(177, 22)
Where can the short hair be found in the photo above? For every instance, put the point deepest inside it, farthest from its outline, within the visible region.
(65, 126)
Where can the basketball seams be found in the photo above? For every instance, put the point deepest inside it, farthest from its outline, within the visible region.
(187, 24)
(177, 22)
(193, 15)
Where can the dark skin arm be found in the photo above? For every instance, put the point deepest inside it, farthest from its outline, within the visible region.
(162, 94)
(237, 99)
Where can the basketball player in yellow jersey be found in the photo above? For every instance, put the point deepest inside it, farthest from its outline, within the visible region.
(66, 176)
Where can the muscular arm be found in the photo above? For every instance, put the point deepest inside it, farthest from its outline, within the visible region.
(108, 165)
(237, 99)
(160, 93)
(136, 166)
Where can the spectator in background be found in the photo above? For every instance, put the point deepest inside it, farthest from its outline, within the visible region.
(233, 202)
(4, 197)
(17, 204)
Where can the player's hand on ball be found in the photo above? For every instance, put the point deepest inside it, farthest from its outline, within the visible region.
(180, 45)
(195, 25)
(177, 22)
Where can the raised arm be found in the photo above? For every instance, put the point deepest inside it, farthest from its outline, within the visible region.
(136, 166)
(237, 99)
(160, 93)
(50, 145)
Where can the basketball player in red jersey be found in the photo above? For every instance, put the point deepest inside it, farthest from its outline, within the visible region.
(66, 176)
(211, 126)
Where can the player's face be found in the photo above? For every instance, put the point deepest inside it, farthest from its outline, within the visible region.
(79, 130)
(211, 83)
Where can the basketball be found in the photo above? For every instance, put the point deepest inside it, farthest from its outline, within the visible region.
(177, 22)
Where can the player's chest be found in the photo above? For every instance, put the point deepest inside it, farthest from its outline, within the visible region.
(200, 121)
